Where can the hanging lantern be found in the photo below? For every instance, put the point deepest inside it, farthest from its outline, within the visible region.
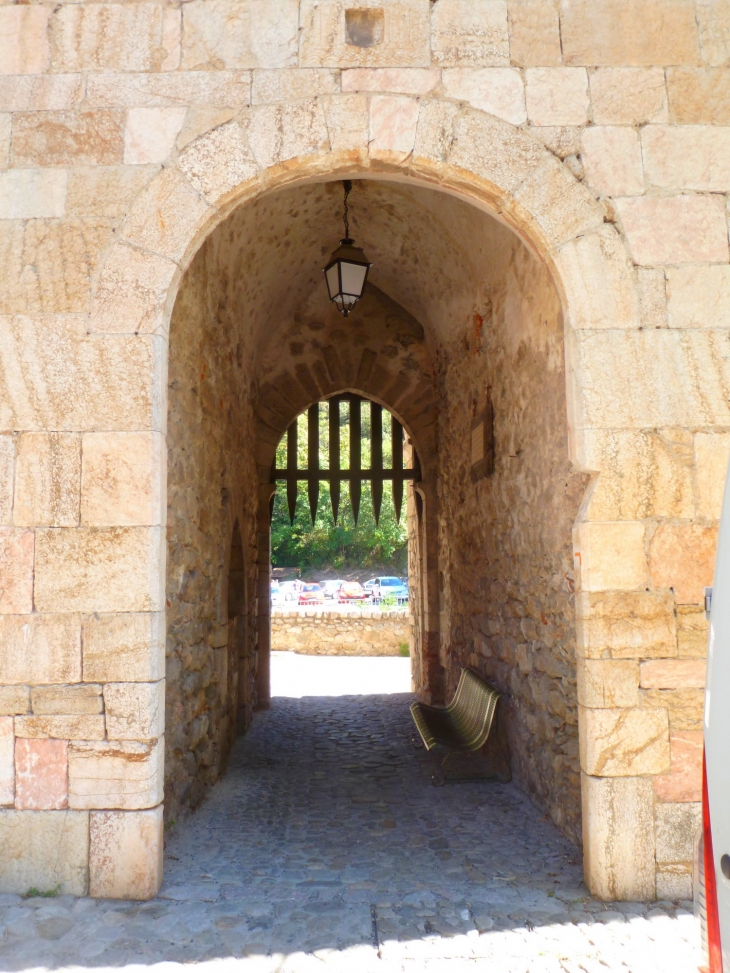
(347, 270)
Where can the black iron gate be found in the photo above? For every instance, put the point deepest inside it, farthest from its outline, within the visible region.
(376, 474)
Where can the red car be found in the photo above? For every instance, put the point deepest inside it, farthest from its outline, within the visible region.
(311, 594)
(352, 591)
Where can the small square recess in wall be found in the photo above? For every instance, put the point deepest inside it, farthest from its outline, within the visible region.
(482, 443)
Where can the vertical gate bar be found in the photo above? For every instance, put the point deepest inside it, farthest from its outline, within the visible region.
(313, 458)
(355, 456)
(291, 469)
(396, 436)
(334, 458)
(376, 457)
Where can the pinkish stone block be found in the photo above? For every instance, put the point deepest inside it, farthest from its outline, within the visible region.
(41, 774)
(16, 571)
(684, 780)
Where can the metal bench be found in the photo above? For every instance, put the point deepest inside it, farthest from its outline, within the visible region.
(461, 727)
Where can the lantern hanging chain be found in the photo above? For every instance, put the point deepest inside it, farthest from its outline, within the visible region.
(345, 216)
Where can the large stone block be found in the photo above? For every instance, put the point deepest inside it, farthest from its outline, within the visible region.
(674, 882)
(135, 710)
(14, 700)
(45, 92)
(45, 850)
(47, 479)
(673, 674)
(676, 826)
(16, 571)
(557, 96)
(606, 684)
(132, 291)
(100, 569)
(611, 556)
(712, 451)
(106, 191)
(194, 89)
(41, 775)
(675, 229)
(115, 37)
(112, 774)
(348, 121)
(125, 854)
(393, 120)
(623, 742)
(128, 647)
(713, 19)
(652, 297)
(7, 472)
(68, 138)
(626, 625)
(497, 91)
(687, 157)
(612, 159)
(24, 45)
(693, 631)
(684, 780)
(393, 34)
(123, 479)
(226, 34)
(60, 727)
(39, 649)
(628, 96)
(277, 133)
(534, 33)
(684, 707)
(559, 207)
(403, 81)
(682, 557)
(218, 162)
(615, 32)
(698, 296)
(77, 700)
(469, 32)
(699, 96)
(618, 837)
(301, 84)
(7, 761)
(150, 134)
(28, 194)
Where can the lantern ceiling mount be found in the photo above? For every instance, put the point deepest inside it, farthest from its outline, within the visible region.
(348, 267)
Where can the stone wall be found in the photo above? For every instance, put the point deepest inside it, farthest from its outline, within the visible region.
(314, 632)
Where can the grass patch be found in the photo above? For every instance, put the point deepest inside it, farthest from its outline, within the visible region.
(404, 650)
(34, 893)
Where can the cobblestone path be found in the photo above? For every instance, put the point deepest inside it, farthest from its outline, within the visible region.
(326, 848)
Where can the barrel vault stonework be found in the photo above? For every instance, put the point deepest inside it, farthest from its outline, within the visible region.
(564, 168)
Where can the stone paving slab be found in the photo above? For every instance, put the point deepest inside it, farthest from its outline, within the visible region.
(326, 847)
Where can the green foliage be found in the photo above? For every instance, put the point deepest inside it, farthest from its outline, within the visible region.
(34, 893)
(403, 649)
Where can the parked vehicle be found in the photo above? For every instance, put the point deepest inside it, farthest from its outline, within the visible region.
(387, 587)
(350, 591)
(330, 589)
(289, 590)
(311, 594)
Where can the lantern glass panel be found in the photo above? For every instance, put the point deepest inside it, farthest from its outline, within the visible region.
(333, 280)
(353, 278)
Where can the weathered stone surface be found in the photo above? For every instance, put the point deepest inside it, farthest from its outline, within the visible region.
(14, 700)
(7, 468)
(692, 632)
(713, 20)
(300, 84)
(47, 850)
(112, 774)
(60, 727)
(123, 479)
(682, 557)
(348, 122)
(618, 837)
(685, 707)
(626, 625)
(684, 780)
(218, 162)
(674, 882)
(41, 775)
(676, 826)
(699, 96)
(16, 571)
(604, 684)
(610, 555)
(44, 92)
(624, 742)
(469, 32)
(673, 674)
(47, 480)
(678, 229)
(194, 89)
(612, 159)
(80, 700)
(712, 451)
(615, 32)
(68, 138)
(698, 296)
(393, 120)
(394, 34)
(135, 710)
(406, 81)
(337, 633)
(557, 204)
(24, 47)
(125, 854)
(628, 96)
(534, 33)
(115, 37)
(150, 134)
(128, 647)
(557, 96)
(99, 569)
(277, 133)
(224, 34)
(497, 91)
(689, 157)
(503, 156)
(7, 761)
(130, 296)
(39, 649)
(27, 194)
(652, 298)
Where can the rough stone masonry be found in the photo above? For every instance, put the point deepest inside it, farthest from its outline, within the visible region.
(542, 186)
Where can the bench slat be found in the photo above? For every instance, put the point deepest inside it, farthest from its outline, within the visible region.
(464, 725)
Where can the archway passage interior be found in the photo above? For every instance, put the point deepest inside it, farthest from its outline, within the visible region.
(460, 335)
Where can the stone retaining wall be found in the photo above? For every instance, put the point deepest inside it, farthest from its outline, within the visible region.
(339, 633)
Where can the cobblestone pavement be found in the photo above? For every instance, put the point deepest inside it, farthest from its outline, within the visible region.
(326, 848)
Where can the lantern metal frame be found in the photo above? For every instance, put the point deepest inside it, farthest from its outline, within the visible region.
(346, 253)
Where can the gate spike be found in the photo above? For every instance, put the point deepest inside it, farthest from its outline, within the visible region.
(396, 435)
(313, 459)
(376, 457)
(291, 470)
(334, 459)
(355, 457)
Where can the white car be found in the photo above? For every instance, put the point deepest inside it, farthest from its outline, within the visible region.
(330, 589)
(383, 587)
(289, 590)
